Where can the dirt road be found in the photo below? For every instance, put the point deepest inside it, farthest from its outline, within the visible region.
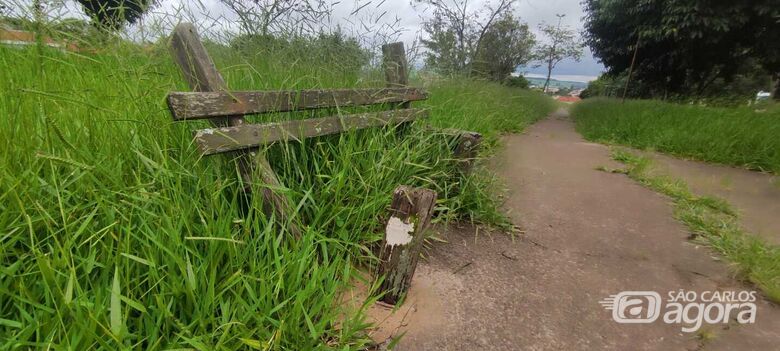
(755, 196)
(588, 234)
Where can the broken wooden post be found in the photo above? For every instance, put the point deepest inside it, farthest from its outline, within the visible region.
(410, 216)
(202, 75)
(467, 148)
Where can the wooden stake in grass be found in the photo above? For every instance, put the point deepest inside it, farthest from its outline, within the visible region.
(395, 64)
(410, 216)
(467, 148)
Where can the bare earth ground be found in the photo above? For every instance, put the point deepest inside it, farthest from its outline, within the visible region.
(756, 196)
(588, 234)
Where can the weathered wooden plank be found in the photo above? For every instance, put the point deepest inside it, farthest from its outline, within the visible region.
(410, 216)
(202, 75)
(197, 105)
(218, 140)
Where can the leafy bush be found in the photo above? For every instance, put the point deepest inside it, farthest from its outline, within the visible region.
(517, 82)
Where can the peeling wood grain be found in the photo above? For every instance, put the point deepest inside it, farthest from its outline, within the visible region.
(412, 207)
(202, 75)
(395, 64)
(199, 105)
(218, 140)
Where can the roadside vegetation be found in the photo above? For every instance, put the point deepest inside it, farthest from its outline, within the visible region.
(738, 136)
(115, 234)
(713, 222)
(491, 109)
(723, 53)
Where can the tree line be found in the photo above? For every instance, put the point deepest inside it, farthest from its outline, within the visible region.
(685, 48)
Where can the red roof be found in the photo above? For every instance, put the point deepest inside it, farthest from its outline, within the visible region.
(568, 98)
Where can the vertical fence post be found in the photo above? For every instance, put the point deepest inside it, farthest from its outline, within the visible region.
(202, 75)
(410, 216)
(396, 66)
(467, 148)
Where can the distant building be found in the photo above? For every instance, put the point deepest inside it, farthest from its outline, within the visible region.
(14, 37)
(568, 99)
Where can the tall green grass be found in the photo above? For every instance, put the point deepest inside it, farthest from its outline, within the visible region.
(491, 109)
(115, 234)
(734, 136)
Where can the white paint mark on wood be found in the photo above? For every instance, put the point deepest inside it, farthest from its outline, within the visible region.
(202, 132)
(397, 232)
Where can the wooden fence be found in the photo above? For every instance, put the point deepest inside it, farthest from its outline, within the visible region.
(210, 99)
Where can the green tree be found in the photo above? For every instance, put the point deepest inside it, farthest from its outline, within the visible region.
(456, 33)
(446, 54)
(605, 85)
(560, 44)
(288, 17)
(685, 47)
(517, 82)
(112, 14)
(506, 44)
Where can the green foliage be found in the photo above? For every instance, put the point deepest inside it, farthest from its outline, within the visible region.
(605, 85)
(734, 136)
(334, 50)
(558, 45)
(507, 43)
(113, 14)
(492, 108)
(686, 48)
(487, 43)
(446, 55)
(116, 234)
(517, 82)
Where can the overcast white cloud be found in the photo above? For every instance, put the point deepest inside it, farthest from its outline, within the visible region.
(213, 16)
(534, 12)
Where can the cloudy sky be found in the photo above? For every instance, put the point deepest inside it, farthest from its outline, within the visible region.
(537, 11)
(212, 15)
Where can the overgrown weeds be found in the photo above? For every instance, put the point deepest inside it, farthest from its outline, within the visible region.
(492, 109)
(741, 136)
(114, 233)
(714, 223)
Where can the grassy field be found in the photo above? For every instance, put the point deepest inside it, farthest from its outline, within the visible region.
(733, 136)
(115, 234)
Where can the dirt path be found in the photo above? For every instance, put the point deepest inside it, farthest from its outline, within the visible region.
(588, 234)
(756, 196)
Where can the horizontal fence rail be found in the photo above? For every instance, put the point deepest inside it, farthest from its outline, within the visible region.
(201, 105)
(218, 140)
